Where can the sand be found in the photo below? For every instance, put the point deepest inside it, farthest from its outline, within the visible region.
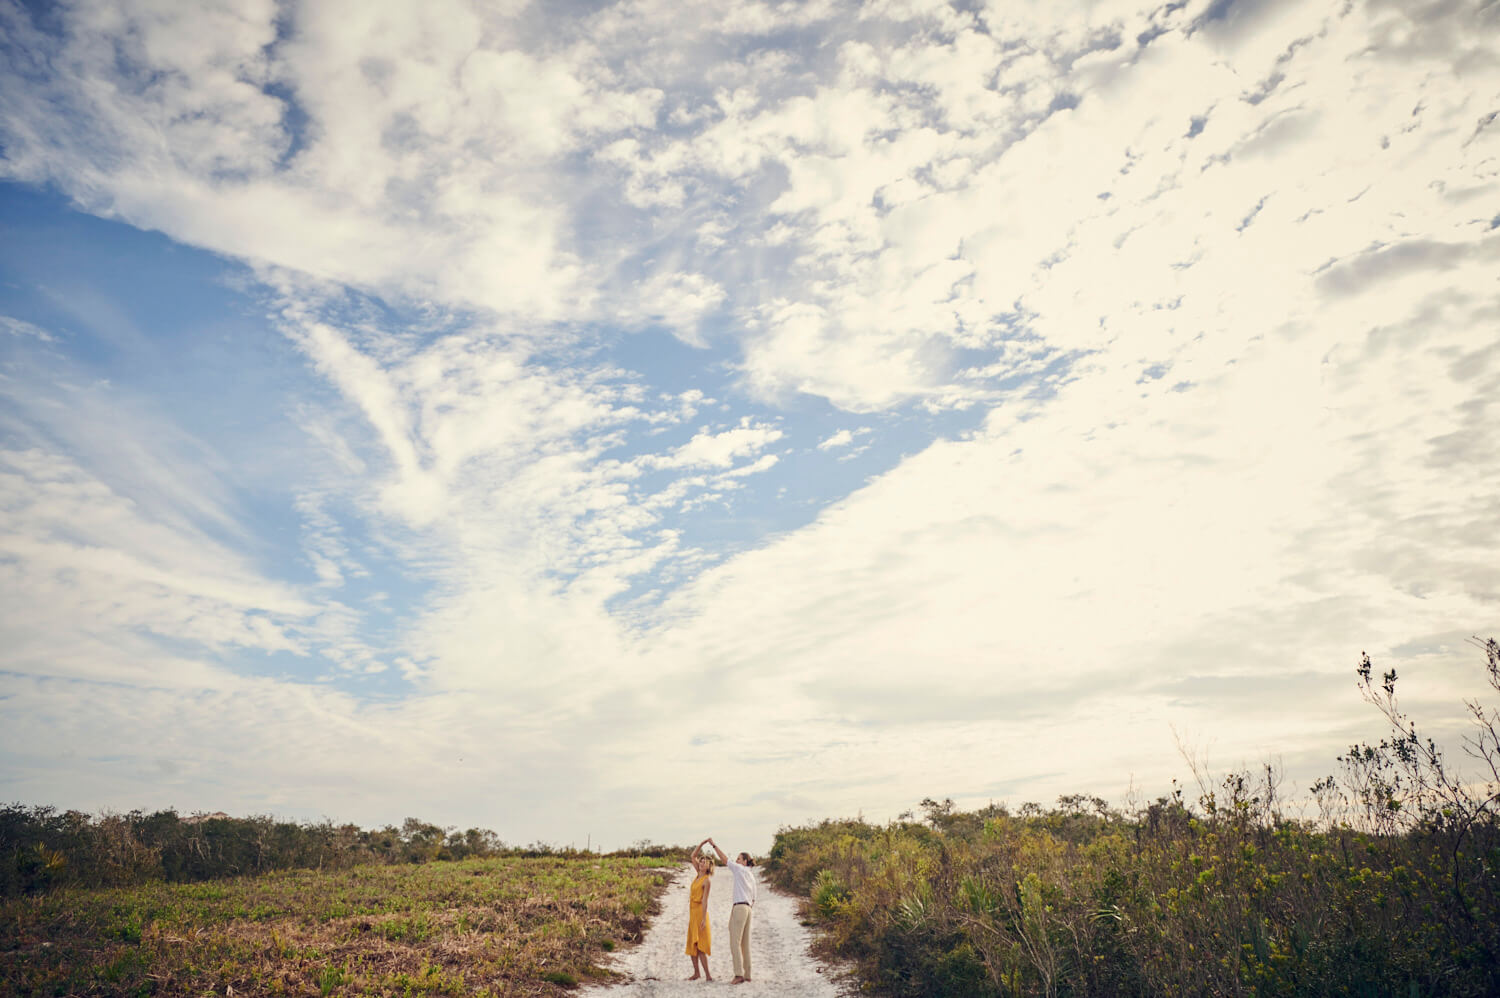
(781, 965)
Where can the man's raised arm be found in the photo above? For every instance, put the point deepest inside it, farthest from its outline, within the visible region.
(722, 858)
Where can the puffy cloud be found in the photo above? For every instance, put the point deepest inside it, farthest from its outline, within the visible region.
(719, 450)
(898, 198)
(842, 438)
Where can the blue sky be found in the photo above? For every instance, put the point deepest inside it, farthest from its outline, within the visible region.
(623, 421)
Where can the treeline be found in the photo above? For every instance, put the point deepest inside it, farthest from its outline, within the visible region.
(42, 847)
(1393, 890)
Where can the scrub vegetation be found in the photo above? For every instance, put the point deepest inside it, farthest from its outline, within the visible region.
(507, 925)
(42, 847)
(1393, 890)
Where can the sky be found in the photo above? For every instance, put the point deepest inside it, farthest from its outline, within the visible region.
(613, 421)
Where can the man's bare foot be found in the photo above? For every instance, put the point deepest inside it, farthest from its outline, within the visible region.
(738, 980)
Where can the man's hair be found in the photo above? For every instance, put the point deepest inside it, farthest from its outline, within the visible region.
(745, 859)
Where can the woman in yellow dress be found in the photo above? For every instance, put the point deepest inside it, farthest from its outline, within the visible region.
(700, 940)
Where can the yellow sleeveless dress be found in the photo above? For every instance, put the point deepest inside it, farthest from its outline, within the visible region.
(700, 936)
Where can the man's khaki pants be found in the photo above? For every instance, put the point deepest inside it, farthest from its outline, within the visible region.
(739, 939)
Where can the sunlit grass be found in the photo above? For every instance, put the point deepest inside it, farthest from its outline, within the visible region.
(512, 925)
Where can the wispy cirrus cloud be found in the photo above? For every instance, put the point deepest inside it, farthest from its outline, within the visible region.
(19, 327)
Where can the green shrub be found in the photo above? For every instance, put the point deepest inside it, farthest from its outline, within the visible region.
(42, 849)
(1222, 896)
(828, 893)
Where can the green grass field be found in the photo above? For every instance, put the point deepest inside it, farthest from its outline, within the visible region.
(506, 926)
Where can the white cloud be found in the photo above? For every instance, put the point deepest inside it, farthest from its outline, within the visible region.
(20, 327)
(422, 166)
(843, 438)
(679, 301)
(1218, 279)
(518, 486)
(899, 199)
(720, 450)
(324, 544)
(1037, 577)
(90, 576)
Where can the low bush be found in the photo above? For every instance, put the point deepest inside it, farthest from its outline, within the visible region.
(1396, 891)
(42, 848)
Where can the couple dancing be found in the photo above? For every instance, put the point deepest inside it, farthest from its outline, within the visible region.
(699, 938)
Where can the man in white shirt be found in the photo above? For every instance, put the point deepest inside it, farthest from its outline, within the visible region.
(744, 905)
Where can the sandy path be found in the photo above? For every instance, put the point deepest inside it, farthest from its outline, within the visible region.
(781, 964)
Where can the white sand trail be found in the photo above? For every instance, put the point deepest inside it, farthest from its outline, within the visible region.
(781, 965)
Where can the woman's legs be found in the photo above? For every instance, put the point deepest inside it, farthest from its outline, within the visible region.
(696, 958)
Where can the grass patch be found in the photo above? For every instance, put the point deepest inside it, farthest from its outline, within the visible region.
(512, 925)
(331, 979)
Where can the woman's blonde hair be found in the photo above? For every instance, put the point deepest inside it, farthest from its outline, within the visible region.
(710, 861)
